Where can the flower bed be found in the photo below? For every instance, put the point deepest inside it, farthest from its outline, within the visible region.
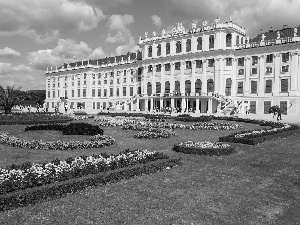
(204, 148)
(97, 141)
(70, 129)
(85, 172)
(193, 119)
(258, 136)
(154, 133)
(32, 118)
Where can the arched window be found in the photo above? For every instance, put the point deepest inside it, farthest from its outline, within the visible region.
(158, 87)
(188, 87)
(237, 40)
(198, 86)
(211, 41)
(149, 89)
(168, 48)
(150, 51)
(177, 87)
(188, 45)
(178, 46)
(210, 85)
(158, 49)
(242, 40)
(167, 87)
(228, 40)
(199, 43)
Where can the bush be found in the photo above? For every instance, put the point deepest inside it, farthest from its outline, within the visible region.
(46, 192)
(154, 133)
(203, 151)
(80, 113)
(70, 129)
(193, 119)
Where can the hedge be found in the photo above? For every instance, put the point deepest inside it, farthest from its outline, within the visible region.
(193, 119)
(37, 194)
(31, 122)
(203, 151)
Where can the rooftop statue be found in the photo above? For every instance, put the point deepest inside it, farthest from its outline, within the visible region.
(295, 32)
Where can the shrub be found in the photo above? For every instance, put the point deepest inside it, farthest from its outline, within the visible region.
(154, 133)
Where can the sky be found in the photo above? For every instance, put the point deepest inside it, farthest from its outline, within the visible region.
(36, 34)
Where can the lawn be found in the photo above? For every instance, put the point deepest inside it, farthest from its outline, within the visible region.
(256, 185)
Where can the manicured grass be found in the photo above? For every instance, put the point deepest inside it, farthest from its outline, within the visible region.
(256, 185)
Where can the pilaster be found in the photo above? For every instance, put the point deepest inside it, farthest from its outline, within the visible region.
(277, 70)
(204, 78)
(261, 75)
(193, 77)
(294, 70)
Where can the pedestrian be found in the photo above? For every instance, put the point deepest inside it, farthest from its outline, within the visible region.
(279, 114)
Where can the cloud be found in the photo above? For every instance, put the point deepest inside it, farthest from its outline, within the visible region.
(9, 53)
(44, 21)
(66, 51)
(156, 20)
(119, 33)
(7, 69)
(253, 15)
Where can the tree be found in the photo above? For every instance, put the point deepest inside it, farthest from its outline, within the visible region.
(9, 97)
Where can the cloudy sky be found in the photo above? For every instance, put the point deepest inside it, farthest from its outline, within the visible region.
(36, 34)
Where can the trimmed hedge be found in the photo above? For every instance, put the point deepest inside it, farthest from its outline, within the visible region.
(203, 151)
(193, 119)
(70, 129)
(54, 190)
(29, 122)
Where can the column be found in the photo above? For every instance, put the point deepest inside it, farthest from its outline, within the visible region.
(182, 80)
(161, 102)
(127, 83)
(172, 83)
(209, 110)
(183, 46)
(234, 71)
(102, 85)
(193, 77)
(261, 75)
(218, 62)
(153, 79)
(294, 70)
(162, 80)
(183, 104)
(144, 82)
(172, 47)
(137, 104)
(247, 75)
(88, 85)
(197, 105)
(193, 44)
(222, 79)
(163, 49)
(151, 104)
(115, 84)
(277, 70)
(204, 79)
(172, 102)
(145, 52)
(154, 50)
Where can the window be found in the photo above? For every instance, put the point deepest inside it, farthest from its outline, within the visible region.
(158, 49)
(124, 91)
(268, 69)
(198, 63)
(84, 93)
(49, 94)
(111, 92)
(199, 43)
(93, 92)
(177, 66)
(99, 92)
(211, 63)
(84, 76)
(111, 81)
(285, 69)
(253, 86)
(105, 92)
(228, 61)
(149, 68)
(58, 93)
(285, 57)
(118, 81)
(139, 78)
(211, 41)
(139, 90)
(105, 81)
(98, 105)
(284, 85)
(168, 48)
(150, 51)
(118, 92)
(267, 106)
(254, 60)
(99, 82)
(188, 45)
(254, 71)
(240, 88)
(167, 87)
(241, 72)
(228, 40)
(228, 87)
(268, 86)
(99, 75)
(178, 47)
(131, 91)
(210, 85)
(241, 61)
(269, 58)
(188, 65)
(78, 93)
(124, 79)
(167, 67)
(237, 40)
(158, 68)
(198, 86)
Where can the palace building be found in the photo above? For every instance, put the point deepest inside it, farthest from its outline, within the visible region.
(203, 69)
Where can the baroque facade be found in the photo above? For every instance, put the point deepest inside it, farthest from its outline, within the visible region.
(203, 68)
